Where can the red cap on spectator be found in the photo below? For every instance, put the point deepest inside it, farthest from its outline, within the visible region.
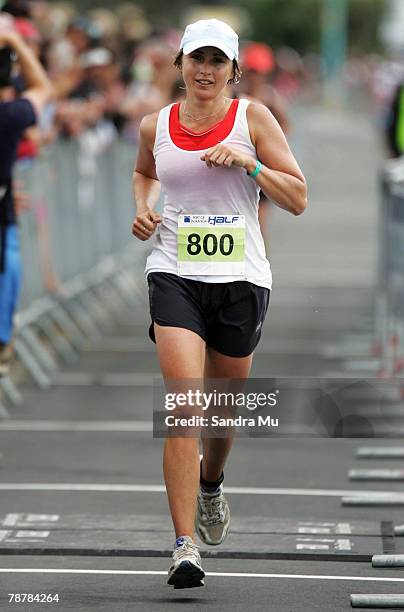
(258, 57)
(26, 29)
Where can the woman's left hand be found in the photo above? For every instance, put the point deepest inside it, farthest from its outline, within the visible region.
(222, 155)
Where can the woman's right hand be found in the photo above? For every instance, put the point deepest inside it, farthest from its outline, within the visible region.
(144, 225)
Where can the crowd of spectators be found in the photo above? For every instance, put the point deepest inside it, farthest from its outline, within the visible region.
(108, 69)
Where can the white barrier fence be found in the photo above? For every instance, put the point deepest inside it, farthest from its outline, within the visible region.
(81, 264)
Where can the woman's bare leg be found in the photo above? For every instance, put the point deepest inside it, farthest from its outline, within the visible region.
(181, 354)
(216, 450)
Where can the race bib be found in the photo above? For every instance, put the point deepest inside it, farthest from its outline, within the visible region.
(211, 245)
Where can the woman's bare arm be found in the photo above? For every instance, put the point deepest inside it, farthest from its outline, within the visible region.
(280, 177)
(146, 186)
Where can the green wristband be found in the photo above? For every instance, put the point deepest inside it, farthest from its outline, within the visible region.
(257, 169)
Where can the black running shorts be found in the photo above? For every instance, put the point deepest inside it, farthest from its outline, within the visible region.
(228, 316)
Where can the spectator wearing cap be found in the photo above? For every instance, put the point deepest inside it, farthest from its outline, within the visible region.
(97, 97)
(258, 63)
(98, 70)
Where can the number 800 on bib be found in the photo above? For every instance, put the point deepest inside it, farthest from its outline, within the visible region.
(211, 245)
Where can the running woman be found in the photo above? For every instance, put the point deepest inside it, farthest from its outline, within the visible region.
(208, 275)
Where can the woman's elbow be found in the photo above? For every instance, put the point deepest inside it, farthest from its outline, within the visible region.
(300, 207)
(300, 202)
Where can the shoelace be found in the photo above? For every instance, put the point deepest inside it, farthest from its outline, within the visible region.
(185, 549)
(213, 508)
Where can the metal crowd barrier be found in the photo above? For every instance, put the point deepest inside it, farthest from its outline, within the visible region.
(376, 351)
(389, 328)
(81, 266)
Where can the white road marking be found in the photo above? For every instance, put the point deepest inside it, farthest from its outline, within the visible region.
(312, 547)
(11, 520)
(24, 520)
(143, 488)
(32, 534)
(315, 540)
(13, 570)
(42, 425)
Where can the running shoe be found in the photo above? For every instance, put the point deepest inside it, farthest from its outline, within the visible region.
(212, 517)
(186, 571)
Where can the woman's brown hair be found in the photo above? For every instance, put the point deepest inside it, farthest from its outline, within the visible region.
(236, 68)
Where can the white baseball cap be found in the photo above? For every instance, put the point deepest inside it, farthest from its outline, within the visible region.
(210, 33)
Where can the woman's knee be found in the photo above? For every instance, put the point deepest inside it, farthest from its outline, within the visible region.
(181, 352)
(183, 445)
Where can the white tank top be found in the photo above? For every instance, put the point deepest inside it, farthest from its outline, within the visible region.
(189, 186)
